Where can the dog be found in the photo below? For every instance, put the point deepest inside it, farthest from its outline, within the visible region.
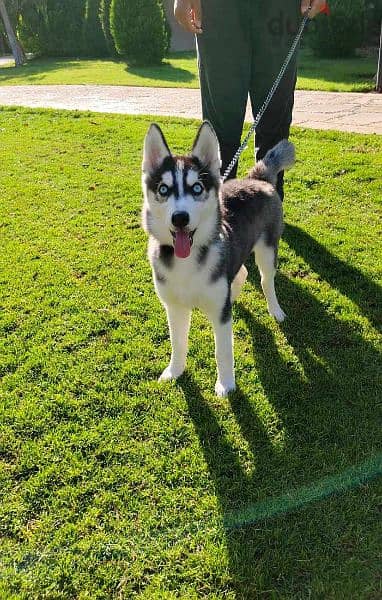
(201, 232)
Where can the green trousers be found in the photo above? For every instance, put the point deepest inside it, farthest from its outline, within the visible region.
(240, 52)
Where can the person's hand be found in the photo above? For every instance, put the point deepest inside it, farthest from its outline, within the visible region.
(188, 13)
(317, 7)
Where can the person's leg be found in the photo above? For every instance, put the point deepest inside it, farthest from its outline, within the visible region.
(224, 68)
(273, 32)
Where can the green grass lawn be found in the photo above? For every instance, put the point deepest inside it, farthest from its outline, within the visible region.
(113, 486)
(180, 70)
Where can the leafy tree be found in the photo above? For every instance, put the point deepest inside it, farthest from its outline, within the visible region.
(167, 27)
(104, 15)
(63, 27)
(30, 16)
(53, 27)
(373, 21)
(17, 49)
(138, 29)
(341, 32)
(94, 43)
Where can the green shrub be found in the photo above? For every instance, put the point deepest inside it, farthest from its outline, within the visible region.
(64, 27)
(104, 15)
(54, 28)
(341, 32)
(139, 31)
(94, 43)
(167, 28)
(31, 29)
(373, 22)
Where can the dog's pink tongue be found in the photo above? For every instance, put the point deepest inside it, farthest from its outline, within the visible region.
(182, 244)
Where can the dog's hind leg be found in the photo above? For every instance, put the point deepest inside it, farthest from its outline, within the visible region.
(238, 282)
(265, 257)
(179, 324)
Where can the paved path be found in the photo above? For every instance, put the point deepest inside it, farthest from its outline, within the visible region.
(319, 110)
(4, 60)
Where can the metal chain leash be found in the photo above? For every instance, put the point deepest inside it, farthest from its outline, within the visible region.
(270, 95)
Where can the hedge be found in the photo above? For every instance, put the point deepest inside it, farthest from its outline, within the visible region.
(139, 30)
(94, 43)
(104, 15)
(340, 33)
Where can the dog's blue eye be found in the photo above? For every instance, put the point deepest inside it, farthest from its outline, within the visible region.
(197, 189)
(163, 189)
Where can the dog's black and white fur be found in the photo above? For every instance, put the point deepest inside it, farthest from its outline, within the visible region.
(201, 233)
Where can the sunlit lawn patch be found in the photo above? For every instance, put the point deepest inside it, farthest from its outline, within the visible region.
(180, 70)
(114, 486)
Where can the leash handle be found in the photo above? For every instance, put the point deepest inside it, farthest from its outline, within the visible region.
(270, 95)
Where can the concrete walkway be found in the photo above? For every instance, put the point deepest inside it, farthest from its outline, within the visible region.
(4, 60)
(318, 110)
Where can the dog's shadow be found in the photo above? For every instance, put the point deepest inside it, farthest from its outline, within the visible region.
(326, 400)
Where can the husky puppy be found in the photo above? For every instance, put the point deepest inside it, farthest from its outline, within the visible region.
(200, 235)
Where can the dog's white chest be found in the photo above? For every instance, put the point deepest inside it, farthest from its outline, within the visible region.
(188, 283)
(185, 283)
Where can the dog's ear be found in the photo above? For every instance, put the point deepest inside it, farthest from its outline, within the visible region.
(155, 149)
(206, 147)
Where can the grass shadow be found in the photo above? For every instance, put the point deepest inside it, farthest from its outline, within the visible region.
(164, 72)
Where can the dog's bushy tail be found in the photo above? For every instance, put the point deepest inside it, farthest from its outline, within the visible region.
(280, 157)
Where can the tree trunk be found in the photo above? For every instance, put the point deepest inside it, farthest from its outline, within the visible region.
(17, 50)
(379, 73)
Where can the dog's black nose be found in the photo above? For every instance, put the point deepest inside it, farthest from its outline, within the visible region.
(180, 219)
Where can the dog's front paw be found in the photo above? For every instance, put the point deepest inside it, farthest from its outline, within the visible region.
(170, 372)
(223, 389)
(278, 314)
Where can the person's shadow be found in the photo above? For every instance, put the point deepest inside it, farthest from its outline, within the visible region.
(348, 280)
(326, 400)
